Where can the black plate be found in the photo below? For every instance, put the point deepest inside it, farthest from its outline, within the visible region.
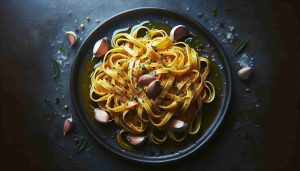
(104, 134)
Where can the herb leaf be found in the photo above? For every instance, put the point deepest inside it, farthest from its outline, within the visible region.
(81, 145)
(56, 69)
(63, 50)
(239, 48)
(215, 12)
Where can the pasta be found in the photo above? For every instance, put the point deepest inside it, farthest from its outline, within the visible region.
(180, 71)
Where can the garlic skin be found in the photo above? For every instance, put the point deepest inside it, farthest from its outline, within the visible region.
(68, 125)
(135, 140)
(100, 48)
(245, 73)
(178, 32)
(178, 126)
(72, 38)
(101, 116)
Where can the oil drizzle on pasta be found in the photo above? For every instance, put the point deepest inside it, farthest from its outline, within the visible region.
(208, 111)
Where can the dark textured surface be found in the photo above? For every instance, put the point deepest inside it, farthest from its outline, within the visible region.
(251, 138)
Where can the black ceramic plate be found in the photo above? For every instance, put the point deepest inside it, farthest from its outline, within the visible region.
(105, 134)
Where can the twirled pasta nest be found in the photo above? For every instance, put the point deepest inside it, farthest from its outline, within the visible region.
(152, 87)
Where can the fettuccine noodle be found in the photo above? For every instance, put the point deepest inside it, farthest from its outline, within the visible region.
(180, 70)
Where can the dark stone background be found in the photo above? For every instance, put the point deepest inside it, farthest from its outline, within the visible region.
(260, 131)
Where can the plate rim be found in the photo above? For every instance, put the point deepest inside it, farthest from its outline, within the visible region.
(215, 125)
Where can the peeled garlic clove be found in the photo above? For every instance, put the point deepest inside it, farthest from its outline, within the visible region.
(101, 116)
(245, 73)
(72, 37)
(153, 89)
(146, 79)
(135, 140)
(178, 32)
(100, 48)
(178, 126)
(68, 125)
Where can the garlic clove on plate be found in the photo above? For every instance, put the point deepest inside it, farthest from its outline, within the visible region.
(178, 126)
(100, 48)
(72, 37)
(135, 140)
(68, 125)
(101, 116)
(178, 32)
(245, 73)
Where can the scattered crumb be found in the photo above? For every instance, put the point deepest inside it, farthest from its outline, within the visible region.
(245, 61)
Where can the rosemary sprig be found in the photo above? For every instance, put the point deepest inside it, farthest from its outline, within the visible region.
(56, 69)
(82, 145)
(239, 48)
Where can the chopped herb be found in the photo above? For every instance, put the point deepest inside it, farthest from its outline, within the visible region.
(179, 103)
(60, 85)
(143, 67)
(134, 98)
(56, 69)
(154, 48)
(63, 50)
(113, 84)
(113, 67)
(181, 95)
(200, 14)
(215, 12)
(62, 96)
(81, 145)
(186, 66)
(239, 48)
(47, 100)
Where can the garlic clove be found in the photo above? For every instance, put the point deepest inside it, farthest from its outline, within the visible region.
(245, 73)
(135, 140)
(68, 125)
(101, 116)
(72, 37)
(146, 79)
(178, 126)
(153, 89)
(178, 32)
(100, 48)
